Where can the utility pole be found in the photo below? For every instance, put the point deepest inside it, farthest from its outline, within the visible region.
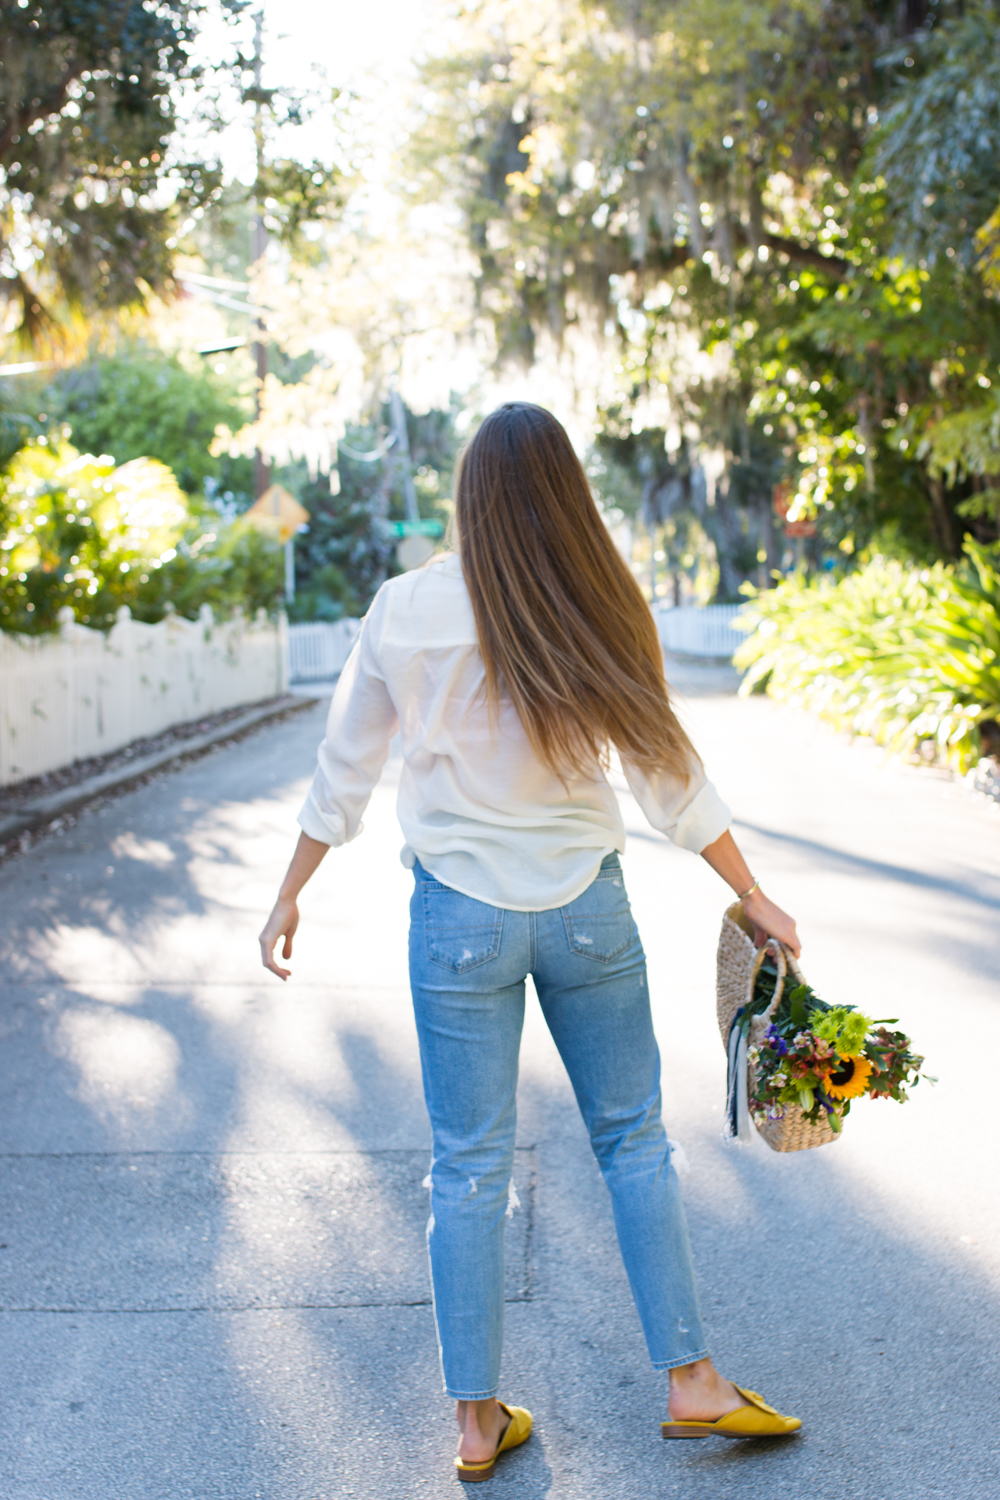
(261, 467)
(403, 453)
(415, 546)
(276, 498)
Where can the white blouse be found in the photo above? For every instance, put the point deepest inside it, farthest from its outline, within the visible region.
(477, 807)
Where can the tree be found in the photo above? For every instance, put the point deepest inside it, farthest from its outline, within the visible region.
(711, 184)
(937, 145)
(348, 551)
(145, 404)
(351, 317)
(86, 120)
(637, 479)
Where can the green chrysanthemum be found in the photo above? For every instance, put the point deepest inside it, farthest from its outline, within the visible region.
(843, 1028)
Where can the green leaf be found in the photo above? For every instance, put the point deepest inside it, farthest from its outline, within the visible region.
(799, 1011)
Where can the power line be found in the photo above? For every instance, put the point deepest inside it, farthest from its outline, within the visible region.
(368, 458)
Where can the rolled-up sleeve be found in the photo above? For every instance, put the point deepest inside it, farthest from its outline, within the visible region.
(692, 816)
(360, 725)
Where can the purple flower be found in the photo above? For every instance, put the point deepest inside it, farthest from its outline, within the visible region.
(776, 1041)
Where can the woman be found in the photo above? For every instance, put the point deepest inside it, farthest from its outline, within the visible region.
(509, 670)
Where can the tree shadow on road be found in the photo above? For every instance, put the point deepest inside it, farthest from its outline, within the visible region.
(246, 1312)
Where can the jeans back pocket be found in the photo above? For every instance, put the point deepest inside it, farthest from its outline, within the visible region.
(460, 932)
(599, 924)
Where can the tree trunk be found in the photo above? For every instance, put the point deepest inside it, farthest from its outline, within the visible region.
(723, 524)
(941, 518)
(770, 540)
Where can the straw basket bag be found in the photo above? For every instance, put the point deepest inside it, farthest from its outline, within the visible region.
(738, 963)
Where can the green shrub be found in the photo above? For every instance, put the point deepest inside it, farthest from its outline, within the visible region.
(143, 404)
(901, 654)
(79, 532)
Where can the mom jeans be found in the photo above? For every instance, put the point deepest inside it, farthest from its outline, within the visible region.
(468, 966)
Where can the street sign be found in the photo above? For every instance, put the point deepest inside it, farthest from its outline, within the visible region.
(781, 498)
(416, 528)
(413, 552)
(279, 510)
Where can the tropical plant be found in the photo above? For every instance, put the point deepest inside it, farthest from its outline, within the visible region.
(901, 654)
(81, 533)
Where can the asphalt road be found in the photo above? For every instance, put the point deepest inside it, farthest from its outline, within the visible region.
(212, 1277)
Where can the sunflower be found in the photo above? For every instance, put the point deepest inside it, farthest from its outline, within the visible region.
(849, 1079)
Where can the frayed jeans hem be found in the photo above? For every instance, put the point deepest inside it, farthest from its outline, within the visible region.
(675, 1364)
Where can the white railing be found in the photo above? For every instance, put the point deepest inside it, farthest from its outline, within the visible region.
(706, 631)
(320, 651)
(82, 692)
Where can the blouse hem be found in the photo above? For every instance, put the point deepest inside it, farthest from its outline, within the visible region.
(564, 900)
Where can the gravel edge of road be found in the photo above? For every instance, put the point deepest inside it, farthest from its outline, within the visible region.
(54, 812)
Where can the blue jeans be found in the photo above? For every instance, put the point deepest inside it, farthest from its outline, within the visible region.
(468, 964)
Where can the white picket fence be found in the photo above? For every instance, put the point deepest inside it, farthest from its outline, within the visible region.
(81, 693)
(320, 651)
(706, 631)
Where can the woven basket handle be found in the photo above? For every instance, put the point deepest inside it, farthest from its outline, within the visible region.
(783, 961)
(788, 965)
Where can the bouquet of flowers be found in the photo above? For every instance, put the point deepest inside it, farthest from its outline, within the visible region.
(820, 1057)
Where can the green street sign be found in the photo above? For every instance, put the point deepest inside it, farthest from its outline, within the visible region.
(416, 528)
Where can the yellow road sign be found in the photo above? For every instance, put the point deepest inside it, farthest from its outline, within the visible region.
(277, 509)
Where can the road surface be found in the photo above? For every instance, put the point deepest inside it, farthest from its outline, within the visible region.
(212, 1278)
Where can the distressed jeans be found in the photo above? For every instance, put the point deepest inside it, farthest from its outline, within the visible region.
(468, 965)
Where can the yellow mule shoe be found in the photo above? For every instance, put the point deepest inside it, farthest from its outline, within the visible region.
(753, 1421)
(517, 1431)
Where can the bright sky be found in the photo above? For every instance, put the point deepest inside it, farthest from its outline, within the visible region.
(367, 48)
(349, 40)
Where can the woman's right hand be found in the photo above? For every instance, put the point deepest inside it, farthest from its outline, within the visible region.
(282, 923)
(770, 921)
(284, 919)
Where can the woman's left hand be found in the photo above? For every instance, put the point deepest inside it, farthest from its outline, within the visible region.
(770, 921)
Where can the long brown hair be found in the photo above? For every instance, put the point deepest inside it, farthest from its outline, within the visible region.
(563, 628)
